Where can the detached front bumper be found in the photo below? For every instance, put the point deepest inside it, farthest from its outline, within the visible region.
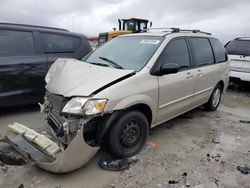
(35, 146)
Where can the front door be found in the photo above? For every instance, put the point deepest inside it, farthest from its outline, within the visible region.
(175, 90)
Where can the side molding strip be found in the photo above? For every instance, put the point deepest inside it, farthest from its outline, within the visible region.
(184, 98)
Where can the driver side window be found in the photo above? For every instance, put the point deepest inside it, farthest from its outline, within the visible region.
(176, 52)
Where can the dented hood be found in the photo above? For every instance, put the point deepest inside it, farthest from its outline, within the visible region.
(70, 77)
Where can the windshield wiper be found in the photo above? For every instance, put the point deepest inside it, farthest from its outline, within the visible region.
(114, 64)
(101, 64)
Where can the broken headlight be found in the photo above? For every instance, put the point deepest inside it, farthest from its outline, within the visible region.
(74, 106)
(94, 106)
(83, 106)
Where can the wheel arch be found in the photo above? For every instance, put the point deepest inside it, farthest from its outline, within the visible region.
(141, 102)
(221, 83)
(145, 109)
(110, 119)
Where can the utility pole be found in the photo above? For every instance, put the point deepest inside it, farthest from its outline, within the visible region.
(73, 24)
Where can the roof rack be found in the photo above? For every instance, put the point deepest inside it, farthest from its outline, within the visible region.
(164, 29)
(242, 38)
(177, 30)
(36, 26)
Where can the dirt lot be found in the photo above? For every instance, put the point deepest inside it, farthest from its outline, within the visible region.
(198, 149)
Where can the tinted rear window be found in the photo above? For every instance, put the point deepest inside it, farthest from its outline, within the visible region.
(54, 43)
(219, 50)
(16, 43)
(203, 51)
(238, 47)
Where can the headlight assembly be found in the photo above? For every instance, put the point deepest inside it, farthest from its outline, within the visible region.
(94, 106)
(74, 106)
(83, 106)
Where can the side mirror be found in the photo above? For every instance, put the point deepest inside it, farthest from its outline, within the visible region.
(169, 68)
(150, 24)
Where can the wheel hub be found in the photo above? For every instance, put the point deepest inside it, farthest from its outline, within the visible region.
(130, 134)
(216, 97)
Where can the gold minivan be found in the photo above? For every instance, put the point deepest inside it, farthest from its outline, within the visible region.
(119, 91)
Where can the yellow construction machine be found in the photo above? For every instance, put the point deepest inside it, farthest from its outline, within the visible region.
(126, 26)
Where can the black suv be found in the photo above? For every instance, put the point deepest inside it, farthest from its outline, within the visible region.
(26, 53)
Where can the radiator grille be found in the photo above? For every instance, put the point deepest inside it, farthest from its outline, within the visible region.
(57, 102)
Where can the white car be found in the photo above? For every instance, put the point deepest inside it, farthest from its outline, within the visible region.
(239, 54)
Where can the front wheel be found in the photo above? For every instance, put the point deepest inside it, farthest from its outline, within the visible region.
(214, 99)
(128, 135)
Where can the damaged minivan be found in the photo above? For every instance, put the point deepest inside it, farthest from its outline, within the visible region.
(119, 91)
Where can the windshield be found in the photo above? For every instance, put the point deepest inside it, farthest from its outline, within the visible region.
(238, 47)
(130, 53)
(130, 25)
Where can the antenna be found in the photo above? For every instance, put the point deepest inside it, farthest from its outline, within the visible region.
(73, 23)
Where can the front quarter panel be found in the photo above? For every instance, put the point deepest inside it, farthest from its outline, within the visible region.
(141, 88)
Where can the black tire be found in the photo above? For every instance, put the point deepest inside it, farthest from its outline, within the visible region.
(128, 135)
(214, 99)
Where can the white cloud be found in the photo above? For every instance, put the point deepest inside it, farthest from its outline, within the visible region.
(225, 18)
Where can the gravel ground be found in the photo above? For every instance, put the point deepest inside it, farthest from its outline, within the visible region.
(198, 149)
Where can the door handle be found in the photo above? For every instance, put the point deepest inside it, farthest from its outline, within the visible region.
(199, 72)
(189, 75)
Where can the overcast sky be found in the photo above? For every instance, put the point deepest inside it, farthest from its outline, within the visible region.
(225, 19)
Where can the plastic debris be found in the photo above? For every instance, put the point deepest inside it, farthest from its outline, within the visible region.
(243, 170)
(173, 182)
(216, 140)
(152, 143)
(114, 164)
(11, 159)
(184, 175)
(245, 121)
(216, 181)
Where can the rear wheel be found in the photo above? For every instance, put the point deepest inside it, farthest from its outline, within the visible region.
(214, 99)
(128, 135)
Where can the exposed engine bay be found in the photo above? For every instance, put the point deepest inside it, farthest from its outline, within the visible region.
(55, 152)
(66, 126)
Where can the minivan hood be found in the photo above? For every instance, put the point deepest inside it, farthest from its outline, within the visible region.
(71, 77)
